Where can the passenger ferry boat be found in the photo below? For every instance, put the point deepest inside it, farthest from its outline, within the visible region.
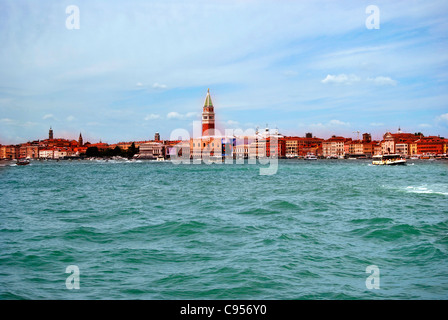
(388, 159)
(310, 157)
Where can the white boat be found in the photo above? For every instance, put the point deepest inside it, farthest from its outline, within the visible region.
(310, 157)
(389, 160)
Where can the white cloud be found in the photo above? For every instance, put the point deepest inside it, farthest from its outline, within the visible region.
(139, 84)
(377, 124)
(159, 86)
(425, 125)
(382, 81)
(341, 79)
(178, 116)
(352, 78)
(152, 116)
(442, 119)
(338, 123)
(329, 124)
(70, 118)
(17, 123)
(174, 115)
(48, 116)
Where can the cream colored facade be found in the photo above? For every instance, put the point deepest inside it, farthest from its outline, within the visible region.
(402, 149)
(257, 149)
(333, 148)
(388, 143)
(292, 148)
(205, 147)
(242, 151)
(46, 154)
(412, 148)
(356, 147)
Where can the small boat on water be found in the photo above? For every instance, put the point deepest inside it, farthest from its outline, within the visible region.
(22, 162)
(389, 160)
(310, 157)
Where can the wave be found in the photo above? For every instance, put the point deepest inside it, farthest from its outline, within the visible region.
(259, 212)
(282, 204)
(434, 189)
(437, 188)
(389, 234)
(178, 228)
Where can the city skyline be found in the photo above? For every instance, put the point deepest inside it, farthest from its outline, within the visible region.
(128, 72)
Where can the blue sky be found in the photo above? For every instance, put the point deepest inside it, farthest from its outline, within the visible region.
(137, 67)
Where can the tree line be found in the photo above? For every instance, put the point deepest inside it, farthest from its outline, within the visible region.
(108, 153)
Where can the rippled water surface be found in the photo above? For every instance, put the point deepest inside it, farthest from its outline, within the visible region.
(155, 230)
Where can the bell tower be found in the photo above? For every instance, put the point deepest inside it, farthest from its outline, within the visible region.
(208, 116)
(80, 142)
(50, 134)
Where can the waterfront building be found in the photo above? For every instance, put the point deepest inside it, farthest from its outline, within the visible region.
(46, 153)
(431, 145)
(301, 146)
(412, 148)
(242, 151)
(333, 147)
(10, 152)
(401, 149)
(356, 148)
(206, 145)
(29, 151)
(172, 147)
(292, 147)
(151, 150)
(388, 143)
(377, 149)
(261, 145)
(347, 146)
(61, 153)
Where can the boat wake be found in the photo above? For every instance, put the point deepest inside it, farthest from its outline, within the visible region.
(435, 189)
(440, 189)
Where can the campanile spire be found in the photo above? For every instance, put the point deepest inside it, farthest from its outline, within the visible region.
(208, 116)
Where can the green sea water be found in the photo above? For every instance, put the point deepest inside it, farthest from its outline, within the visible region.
(155, 230)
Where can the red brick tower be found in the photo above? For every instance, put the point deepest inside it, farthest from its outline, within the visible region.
(208, 117)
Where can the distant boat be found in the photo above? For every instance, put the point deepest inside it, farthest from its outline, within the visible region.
(310, 157)
(389, 160)
(22, 162)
